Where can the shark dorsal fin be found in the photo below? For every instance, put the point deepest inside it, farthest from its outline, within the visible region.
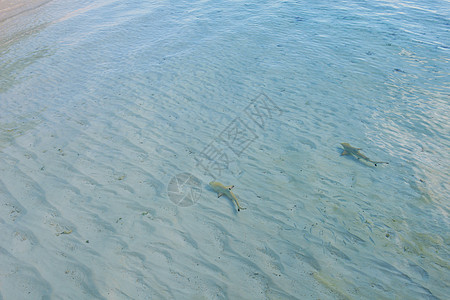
(229, 187)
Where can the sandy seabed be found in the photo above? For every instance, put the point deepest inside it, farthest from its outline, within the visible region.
(100, 112)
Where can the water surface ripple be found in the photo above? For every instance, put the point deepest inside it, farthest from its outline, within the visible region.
(103, 102)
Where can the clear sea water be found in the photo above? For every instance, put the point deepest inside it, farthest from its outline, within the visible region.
(103, 103)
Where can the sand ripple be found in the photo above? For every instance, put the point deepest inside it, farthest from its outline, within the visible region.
(100, 110)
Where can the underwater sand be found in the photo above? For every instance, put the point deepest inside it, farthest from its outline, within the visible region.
(103, 104)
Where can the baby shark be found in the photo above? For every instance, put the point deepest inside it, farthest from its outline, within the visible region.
(349, 150)
(221, 190)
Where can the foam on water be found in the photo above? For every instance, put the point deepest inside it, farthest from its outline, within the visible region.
(103, 102)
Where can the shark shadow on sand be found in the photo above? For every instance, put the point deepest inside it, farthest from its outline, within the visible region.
(349, 150)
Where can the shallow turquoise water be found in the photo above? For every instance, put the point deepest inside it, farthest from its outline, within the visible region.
(102, 103)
